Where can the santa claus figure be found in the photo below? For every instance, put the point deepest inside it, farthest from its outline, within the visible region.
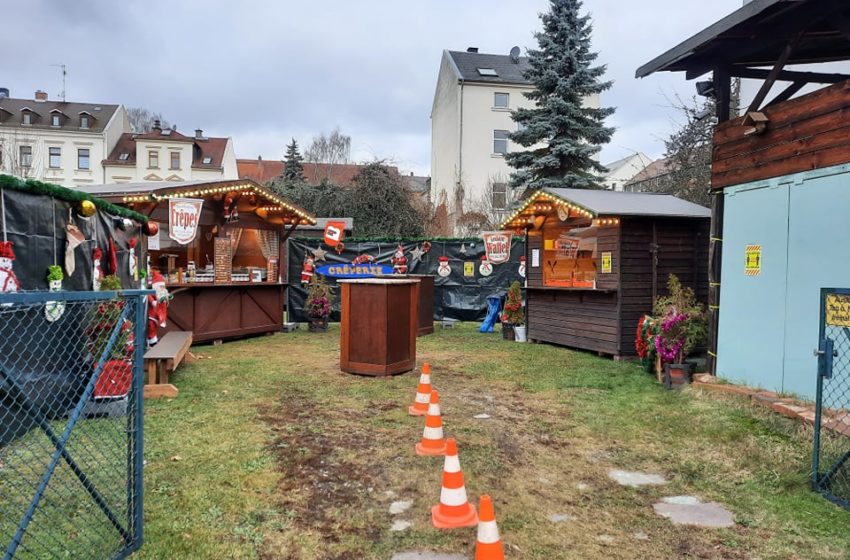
(231, 214)
(486, 267)
(8, 281)
(443, 268)
(157, 307)
(522, 266)
(97, 270)
(399, 261)
(307, 270)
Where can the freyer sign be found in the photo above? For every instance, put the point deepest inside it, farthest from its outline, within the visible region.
(183, 217)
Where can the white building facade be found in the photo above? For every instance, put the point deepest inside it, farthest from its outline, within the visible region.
(58, 141)
(470, 121)
(167, 155)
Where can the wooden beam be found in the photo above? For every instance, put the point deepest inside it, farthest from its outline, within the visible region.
(786, 94)
(288, 233)
(723, 94)
(789, 76)
(774, 73)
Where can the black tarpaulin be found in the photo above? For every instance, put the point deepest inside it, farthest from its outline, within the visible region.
(457, 296)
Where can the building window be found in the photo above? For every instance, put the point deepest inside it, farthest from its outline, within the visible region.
(27, 118)
(489, 72)
(83, 159)
(499, 196)
(175, 160)
(55, 159)
(55, 120)
(84, 122)
(207, 160)
(500, 142)
(153, 160)
(25, 153)
(124, 156)
(501, 100)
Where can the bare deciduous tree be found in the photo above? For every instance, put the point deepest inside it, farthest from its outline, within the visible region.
(142, 120)
(325, 151)
(20, 155)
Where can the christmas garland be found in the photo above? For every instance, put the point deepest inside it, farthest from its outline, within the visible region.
(645, 341)
(401, 239)
(67, 195)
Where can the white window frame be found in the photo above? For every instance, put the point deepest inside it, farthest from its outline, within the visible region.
(87, 156)
(153, 157)
(85, 122)
(497, 142)
(26, 119)
(55, 120)
(499, 189)
(50, 156)
(507, 104)
(25, 159)
(171, 156)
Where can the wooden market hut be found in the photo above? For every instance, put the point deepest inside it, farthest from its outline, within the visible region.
(228, 281)
(597, 260)
(779, 176)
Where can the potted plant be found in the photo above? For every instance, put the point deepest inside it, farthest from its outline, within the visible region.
(318, 304)
(513, 313)
(682, 327)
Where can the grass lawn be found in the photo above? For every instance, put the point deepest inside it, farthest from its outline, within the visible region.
(271, 452)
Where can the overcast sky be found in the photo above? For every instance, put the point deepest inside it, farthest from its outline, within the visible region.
(265, 71)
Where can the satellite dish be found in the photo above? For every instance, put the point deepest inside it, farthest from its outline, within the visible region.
(515, 54)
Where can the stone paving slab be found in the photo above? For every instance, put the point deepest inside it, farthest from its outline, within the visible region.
(635, 479)
(689, 510)
(426, 555)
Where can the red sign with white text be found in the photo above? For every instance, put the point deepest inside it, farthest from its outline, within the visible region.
(184, 214)
(334, 232)
(497, 244)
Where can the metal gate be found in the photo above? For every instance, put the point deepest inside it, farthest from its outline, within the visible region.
(831, 457)
(71, 424)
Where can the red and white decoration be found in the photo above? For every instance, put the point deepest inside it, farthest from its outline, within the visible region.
(485, 268)
(157, 307)
(307, 270)
(97, 270)
(443, 268)
(8, 281)
(522, 266)
(334, 232)
(184, 214)
(231, 213)
(497, 246)
(399, 261)
(132, 265)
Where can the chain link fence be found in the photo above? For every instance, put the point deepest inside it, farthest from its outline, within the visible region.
(831, 463)
(71, 424)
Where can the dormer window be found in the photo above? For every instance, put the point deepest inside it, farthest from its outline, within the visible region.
(55, 120)
(27, 119)
(207, 160)
(124, 156)
(84, 121)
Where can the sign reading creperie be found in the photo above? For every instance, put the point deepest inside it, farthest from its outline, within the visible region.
(184, 214)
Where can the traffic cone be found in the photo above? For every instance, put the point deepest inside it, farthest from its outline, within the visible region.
(432, 442)
(454, 510)
(423, 393)
(488, 546)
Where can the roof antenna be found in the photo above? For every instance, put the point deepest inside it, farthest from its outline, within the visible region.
(64, 73)
(515, 55)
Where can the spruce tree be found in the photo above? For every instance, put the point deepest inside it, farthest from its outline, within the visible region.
(563, 75)
(294, 167)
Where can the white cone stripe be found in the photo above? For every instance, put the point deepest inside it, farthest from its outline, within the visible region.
(425, 378)
(422, 398)
(488, 532)
(432, 433)
(453, 496)
(433, 409)
(452, 464)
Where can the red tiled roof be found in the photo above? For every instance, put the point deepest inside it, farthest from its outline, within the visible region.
(203, 147)
(262, 171)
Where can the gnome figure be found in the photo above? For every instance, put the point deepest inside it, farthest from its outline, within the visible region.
(307, 270)
(157, 307)
(443, 268)
(522, 266)
(97, 270)
(8, 281)
(399, 261)
(485, 268)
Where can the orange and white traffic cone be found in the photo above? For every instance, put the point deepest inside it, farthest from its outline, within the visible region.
(423, 393)
(488, 546)
(454, 510)
(433, 443)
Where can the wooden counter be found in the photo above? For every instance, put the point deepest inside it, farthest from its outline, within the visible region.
(378, 325)
(219, 311)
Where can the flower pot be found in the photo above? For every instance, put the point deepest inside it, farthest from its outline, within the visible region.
(519, 333)
(507, 331)
(318, 324)
(676, 375)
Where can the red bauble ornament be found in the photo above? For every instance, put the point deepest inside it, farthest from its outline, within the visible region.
(151, 228)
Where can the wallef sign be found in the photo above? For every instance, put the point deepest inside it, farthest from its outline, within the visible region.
(497, 245)
(184, 214)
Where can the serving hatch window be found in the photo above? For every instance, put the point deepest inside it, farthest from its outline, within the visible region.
(569, 255)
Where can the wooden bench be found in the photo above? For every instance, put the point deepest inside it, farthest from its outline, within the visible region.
(162, 360)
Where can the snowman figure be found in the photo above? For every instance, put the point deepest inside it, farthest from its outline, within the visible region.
(97, 270)
(485, 268)
(522, 266)
(399, 261)
(53, 310)
(443, 268)
(132, 264)
(8, 281)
